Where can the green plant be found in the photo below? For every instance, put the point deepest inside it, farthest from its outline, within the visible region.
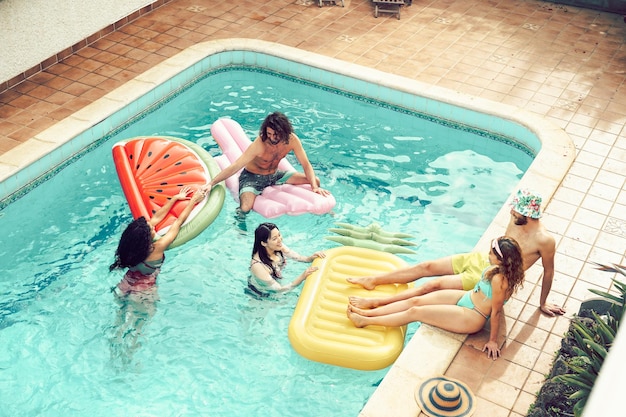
(619, 302)
(592, 347)
(593, 343)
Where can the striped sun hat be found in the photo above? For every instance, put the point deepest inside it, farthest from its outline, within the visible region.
(445, 397)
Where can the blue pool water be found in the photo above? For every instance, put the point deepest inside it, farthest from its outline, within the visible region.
(206, 348)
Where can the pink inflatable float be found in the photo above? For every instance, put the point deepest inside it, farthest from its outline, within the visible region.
(276, 200)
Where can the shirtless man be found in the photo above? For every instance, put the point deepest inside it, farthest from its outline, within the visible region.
(462, 271)
(260, 162)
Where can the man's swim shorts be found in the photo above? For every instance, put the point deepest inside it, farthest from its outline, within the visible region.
(470, 267)
(256, 183)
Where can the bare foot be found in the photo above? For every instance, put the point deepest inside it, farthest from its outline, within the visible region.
(359, 321)
(361, 302)
(353, 309)
(365, 282)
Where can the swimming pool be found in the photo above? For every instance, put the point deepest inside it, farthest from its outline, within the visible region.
(190, 303)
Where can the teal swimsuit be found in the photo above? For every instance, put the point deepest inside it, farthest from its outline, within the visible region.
(483, 286)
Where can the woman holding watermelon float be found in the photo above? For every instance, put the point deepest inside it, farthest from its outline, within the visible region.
(142, 254)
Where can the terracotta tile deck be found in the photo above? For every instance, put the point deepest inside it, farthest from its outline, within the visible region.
(563, 63)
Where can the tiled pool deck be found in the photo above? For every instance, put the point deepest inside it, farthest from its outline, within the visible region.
(564, 64)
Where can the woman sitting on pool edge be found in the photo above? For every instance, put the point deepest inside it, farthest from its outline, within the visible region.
(143, 253)
(458, 311)
(269, 257)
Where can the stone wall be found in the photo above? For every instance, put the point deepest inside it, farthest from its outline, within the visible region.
(33, 31)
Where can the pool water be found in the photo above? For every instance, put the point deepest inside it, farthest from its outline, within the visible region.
(67, 347)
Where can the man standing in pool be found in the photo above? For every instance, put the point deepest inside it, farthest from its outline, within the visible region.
(462, 271)
(260, 162)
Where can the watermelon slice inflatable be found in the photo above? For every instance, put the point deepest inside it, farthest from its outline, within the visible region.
(152, 169)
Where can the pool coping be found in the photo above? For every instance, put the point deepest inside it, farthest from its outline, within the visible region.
(430, 351)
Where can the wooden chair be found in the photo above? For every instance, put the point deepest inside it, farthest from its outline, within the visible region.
(320, 3)
(388, 6)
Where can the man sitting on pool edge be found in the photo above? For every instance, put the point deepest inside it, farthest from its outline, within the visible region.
(260, 162)
(462, 271)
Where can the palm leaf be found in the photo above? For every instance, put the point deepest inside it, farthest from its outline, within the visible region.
(615, 268)
(579, 406)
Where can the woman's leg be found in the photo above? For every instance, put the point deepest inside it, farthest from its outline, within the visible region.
(448, 317)
(445, 282)
(362, 302)
(450, 297)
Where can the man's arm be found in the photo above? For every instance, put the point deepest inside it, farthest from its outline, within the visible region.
(302, 157)
(547, 252)
(309, 172)
(247, 156)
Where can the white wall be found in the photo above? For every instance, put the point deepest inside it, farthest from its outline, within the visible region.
(32, 31)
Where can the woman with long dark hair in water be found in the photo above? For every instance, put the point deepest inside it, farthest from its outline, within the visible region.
(269, 257)
(142, 252)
